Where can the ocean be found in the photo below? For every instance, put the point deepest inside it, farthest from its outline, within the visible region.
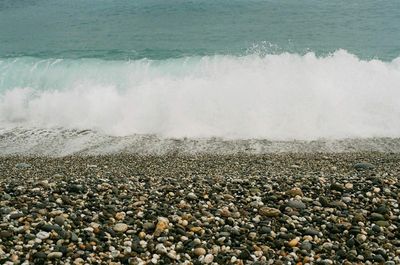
(108, 76)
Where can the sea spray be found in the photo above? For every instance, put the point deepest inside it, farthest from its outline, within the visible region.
(276, 96)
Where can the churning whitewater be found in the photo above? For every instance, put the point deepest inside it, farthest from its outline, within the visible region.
(275, 97)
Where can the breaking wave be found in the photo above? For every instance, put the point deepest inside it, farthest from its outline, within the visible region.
(275, 97)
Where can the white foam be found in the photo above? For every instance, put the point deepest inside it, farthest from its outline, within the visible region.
(275, 97)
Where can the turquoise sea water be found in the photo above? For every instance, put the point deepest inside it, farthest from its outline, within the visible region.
(237, 69)
(157, 29)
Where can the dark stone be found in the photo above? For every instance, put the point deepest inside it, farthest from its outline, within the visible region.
(5, 234)
(49, 228)
(306, 245)
(377, 217)
(311, 232)
(337, 187)
(75, 188)
(350, 243)
(324, 202)
(363, 166)
(16, 215)
(245, 254)
(376, 229)
(383, 209)
(378, 258)
(265, 230)
(296, 204)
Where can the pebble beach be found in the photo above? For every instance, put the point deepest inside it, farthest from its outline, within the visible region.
(201, 209)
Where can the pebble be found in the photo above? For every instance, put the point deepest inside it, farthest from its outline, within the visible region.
(162, 225)
(199, 251)
(42, 235)
(269, 212)
(55, 255)
(292, 243)
(208, 258)
(349, 186)
(296, 204)
(120, 216)
(120, 227)
(200, 210)
(363, 166)
(59, 220)
(191, 196)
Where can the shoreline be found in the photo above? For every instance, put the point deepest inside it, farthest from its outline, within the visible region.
(313, 208)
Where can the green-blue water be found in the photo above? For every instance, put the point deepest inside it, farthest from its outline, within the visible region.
(159, 29)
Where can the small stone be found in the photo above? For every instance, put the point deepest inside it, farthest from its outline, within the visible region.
(120, 216)
(23, 165)
(376, 190)
(208, 258)
(225, 212)
(348, 186)
(346, 199)
(59, 220)
(120, 227)
(55, 255)
(5, 234)
(296, 204)
(306, 245)
(377, 217)
(382, 223)
(311, 232)
(162, 225)
(292, 243)
(269, 212)
(337, 187)
(363, 166)
(43, 235)
(16, 215)
(294, 192)
(361, 237)
(199, 251)
(191, 196)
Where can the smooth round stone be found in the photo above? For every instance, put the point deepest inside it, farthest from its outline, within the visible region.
(191, 196)
(292, 243)
(346, 199)
(55, 255)
(348, 186)
(59, 220)
(361, 237)
(208, 258)
(363, 166)
(269, 212)
(199, 251)
(306, 245)
(5, 234)
(22, 165)
(296, 204)
(337, 187)
(377, 217)
(120, 227)
(43, 235)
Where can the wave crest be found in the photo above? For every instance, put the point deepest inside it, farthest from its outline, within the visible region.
(277, 97)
